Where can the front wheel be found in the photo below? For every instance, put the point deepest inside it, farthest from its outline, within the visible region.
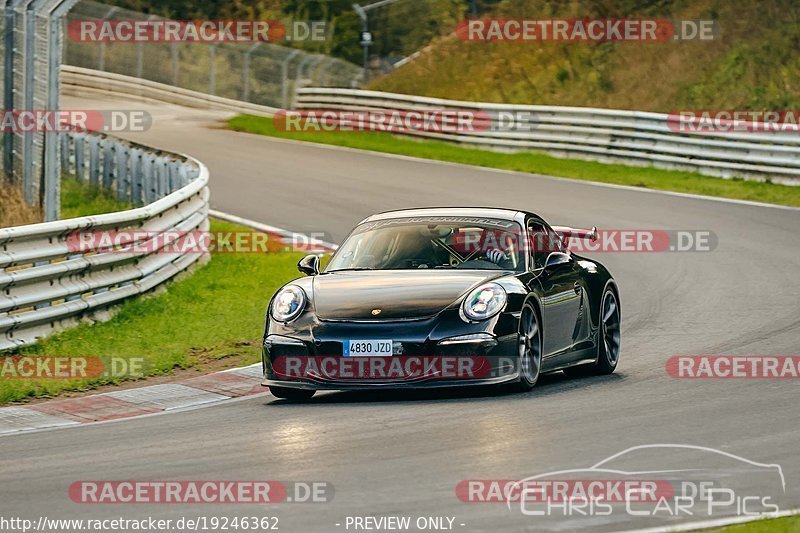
(530, 349)
(286, 393)
(609, 334)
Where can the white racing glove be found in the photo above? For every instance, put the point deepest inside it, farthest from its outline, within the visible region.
(496, 256)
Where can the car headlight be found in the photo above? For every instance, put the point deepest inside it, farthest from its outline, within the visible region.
(484, 302)
(288, 303)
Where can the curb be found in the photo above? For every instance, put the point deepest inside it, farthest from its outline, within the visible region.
(128, 403)
(209, 389)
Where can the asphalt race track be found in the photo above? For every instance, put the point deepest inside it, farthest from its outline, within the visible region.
(404, 454)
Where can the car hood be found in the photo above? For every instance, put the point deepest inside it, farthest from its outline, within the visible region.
(398, 294)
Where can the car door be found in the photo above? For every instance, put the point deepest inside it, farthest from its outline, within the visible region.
(560, 294)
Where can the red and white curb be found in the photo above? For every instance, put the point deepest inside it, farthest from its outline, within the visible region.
(208, 389)
(128, 403)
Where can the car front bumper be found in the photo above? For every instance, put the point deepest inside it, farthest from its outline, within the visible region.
(368, 384)
(488, 358)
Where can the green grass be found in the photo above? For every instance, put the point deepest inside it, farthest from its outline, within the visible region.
(790, 524)
(749, 65)
(212, 318)
(81, 199)
(688, 182)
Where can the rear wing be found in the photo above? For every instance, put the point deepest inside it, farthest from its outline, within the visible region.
(567, 232)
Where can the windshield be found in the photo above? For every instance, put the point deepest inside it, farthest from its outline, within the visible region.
(431, 242)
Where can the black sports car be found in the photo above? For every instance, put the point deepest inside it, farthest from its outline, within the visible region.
(441, 297)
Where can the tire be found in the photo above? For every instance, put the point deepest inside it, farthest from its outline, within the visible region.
(529, 343)
(297, 395)
(608, 334)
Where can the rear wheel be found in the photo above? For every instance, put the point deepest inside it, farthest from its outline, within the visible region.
(286, 393)
(609, 334)
(530, 348)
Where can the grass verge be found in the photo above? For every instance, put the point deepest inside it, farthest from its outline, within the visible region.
(534, 162)
(209, 320)
(80, 199)
(789, 524)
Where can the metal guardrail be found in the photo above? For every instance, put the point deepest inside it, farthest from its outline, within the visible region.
(46, 284)
(606, 135)
(78, 81)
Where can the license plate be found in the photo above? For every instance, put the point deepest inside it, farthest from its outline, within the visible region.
(371, 347)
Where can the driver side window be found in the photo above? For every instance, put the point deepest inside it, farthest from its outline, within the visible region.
(541, 242)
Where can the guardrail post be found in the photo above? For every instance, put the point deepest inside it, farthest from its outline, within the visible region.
(94, 161)
(137, 184)
(162, 177)
(123, 177)
(183, 174)
(65, 146)
(174, 176)
(80, 174)
(148, 183)
(108, 164)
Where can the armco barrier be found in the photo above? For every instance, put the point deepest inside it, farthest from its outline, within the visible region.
(45, 284)
(607, 135)
(80, 81)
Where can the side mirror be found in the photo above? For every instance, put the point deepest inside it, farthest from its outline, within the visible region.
(309, 265)
(556, 259)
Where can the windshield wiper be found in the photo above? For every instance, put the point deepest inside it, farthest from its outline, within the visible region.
(351, 269)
